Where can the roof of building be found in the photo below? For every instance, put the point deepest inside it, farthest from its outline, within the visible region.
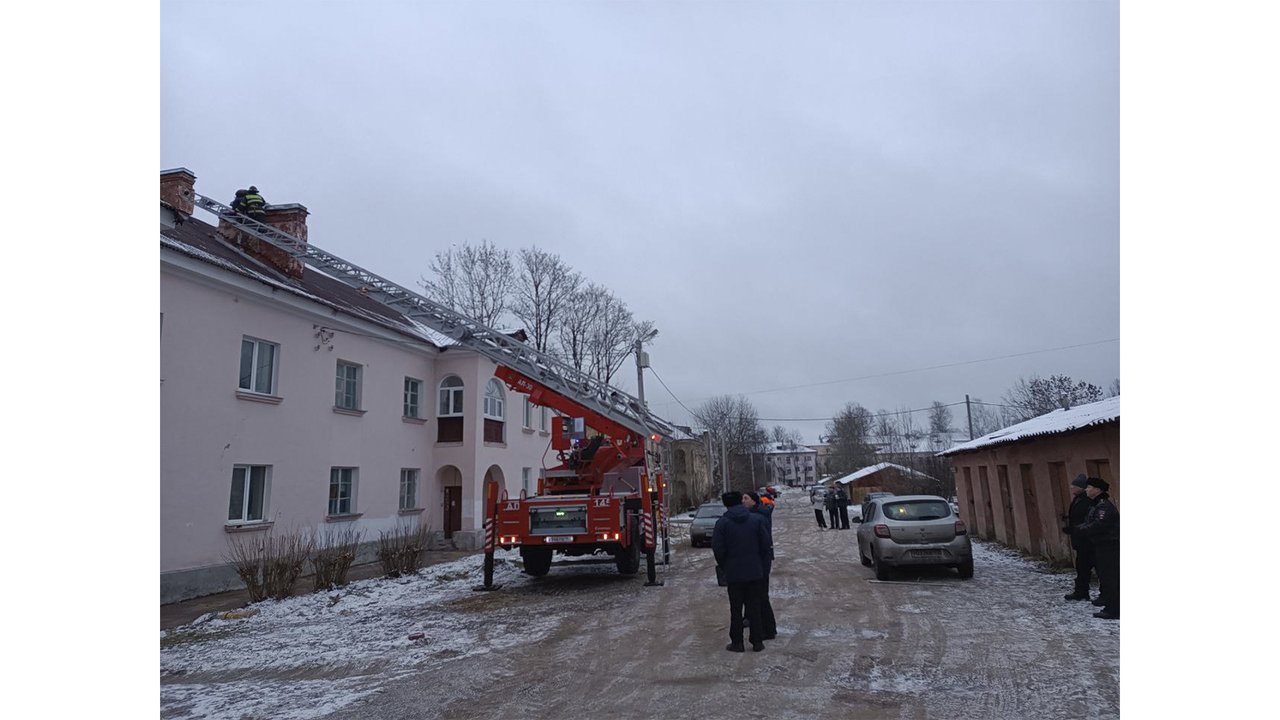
(787, 449)
(1051, 423)
(871, 470)
(199, 240)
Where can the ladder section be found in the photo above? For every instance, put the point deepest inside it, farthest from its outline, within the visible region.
(552, 372)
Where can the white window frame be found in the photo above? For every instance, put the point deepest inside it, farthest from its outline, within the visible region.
(412, 389)
(340, 382)
(351, 481)
(255, 375)
(543, 419)
(495, 401)
(526, 474)
(409, 481)
(450, 397)
(241, 474)
(528, 413)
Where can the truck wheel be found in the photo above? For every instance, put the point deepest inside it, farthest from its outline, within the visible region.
(628, 558)
(537, 560)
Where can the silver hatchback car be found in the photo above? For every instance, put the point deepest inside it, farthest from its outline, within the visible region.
(906, 530)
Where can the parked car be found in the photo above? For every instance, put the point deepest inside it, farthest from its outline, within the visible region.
(902, 530)
(704, 521)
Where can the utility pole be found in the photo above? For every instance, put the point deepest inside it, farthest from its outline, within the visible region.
(724, 462)
(968, 410)
(642, 362)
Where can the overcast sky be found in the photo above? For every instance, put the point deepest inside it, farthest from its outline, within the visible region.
(808, 199)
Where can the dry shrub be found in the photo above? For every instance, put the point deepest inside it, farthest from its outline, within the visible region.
(333, 555)
(400, 551)
(269, 564)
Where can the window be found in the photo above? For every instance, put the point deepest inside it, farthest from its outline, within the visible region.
(408, 488)
(412, 398)
(451, 396)
(347, 386)
(249, 493)
(493, 400)
(543, 421)
(449, 429)
(528, 413)
(525, 474)
(494, 405)
(258, 366)
(342, 490)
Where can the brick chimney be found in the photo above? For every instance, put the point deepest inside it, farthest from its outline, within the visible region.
(177, 189)
(290, 218)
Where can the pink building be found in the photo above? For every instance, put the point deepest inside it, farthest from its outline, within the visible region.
(289, 401)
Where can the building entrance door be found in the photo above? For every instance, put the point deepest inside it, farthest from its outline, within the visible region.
(452, 509)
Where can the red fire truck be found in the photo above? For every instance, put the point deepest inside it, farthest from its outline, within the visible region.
(604, 497)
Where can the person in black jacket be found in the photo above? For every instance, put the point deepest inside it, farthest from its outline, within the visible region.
(740, 542)
(1102, 527)
(833, 509)
(842, 506)
(1075, 517)
(769, 623)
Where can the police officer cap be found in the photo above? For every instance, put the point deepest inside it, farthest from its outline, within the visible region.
(1099, 483)
(1080, 481)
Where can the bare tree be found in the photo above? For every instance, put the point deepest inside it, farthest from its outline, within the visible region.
(786, 437)
(578, 323)
(544, 286)
(849, 434)
(1114, 389)
(613, 337)
(733, 420)
(985, 417)
(939, 418)
(1037, 396)
(475, 280)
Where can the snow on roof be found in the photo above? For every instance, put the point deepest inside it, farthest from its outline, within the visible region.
(858, 475)
(1058, 421)
(787, 448)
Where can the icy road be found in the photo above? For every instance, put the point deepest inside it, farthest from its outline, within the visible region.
(583, 642)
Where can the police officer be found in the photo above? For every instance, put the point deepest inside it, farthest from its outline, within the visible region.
(1102, 527)
(1076, 514)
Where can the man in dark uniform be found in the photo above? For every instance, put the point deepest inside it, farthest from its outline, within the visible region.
(250, 202)
(740, 543)
(1075, 517)
(1102, 527)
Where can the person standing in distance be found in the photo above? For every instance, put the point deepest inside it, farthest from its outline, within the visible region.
(740, 543)
(819, 500)
(1076, 514)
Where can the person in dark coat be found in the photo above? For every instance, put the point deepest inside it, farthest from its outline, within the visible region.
(833, 509)
(1075, 517)
(1102, 527)
(740, 542)
(768, 623)
(842, 507)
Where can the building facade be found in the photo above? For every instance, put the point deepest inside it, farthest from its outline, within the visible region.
(291, 403)
(1012, 485)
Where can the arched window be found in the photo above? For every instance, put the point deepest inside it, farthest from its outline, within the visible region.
(493, 400)
(451, 396)
(449, 410)
(494, 411)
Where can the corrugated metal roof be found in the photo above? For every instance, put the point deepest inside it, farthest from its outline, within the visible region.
(199, 240)
(871, 470)
(1052, 423)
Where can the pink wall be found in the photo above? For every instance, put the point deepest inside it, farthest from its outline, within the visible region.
(1036, 497)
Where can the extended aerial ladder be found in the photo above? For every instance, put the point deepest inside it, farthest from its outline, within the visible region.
(623, 422)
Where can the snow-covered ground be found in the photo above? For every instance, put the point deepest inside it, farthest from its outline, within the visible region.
(307, 656)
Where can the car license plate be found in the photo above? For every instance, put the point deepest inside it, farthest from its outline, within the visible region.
(926, 553)
(558, 539)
